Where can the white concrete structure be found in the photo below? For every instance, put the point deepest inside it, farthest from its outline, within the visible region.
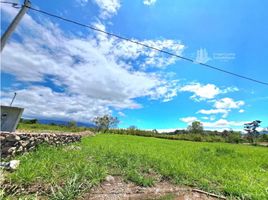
(10, 117)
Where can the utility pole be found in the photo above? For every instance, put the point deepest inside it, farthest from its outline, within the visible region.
(13, 98)
(14, 23)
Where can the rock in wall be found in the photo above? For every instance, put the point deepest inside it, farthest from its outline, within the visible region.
(13, 143)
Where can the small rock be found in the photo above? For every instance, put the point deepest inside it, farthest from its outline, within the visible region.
(11, 149)
(2, 138)
(4, 165)
(157, 191)
(109, 179)
(12, 138)
(14, 164)
(31, 148)
(24, 143)
(20, 149)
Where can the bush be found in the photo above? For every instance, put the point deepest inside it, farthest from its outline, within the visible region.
(234, 138)
(28, 121)
(263, 138)
(72, 124)
(181, 136)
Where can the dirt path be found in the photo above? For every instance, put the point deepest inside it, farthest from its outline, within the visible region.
(117, 189)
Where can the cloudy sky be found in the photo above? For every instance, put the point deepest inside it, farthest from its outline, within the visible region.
(62, 71)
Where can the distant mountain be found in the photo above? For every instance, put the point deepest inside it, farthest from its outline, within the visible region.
(59, 122)
(264, 132)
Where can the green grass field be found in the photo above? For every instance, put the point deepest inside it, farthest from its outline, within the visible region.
(233, 170)
(36, 127)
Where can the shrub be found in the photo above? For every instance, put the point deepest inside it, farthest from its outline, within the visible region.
(28, 121)
(72, 124)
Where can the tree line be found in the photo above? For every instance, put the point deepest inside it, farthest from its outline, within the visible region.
(194, 132)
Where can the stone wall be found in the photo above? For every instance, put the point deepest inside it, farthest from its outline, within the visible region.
(14, 143)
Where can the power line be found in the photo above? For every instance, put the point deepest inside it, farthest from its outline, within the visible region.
(144, 45)
(8, 2)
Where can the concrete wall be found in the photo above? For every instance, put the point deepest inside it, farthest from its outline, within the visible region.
(10, 117)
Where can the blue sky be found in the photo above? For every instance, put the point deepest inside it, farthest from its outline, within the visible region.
(65, 72)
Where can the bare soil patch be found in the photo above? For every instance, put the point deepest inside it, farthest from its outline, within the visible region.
(118, 189)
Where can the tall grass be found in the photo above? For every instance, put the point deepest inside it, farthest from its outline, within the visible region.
(232, 170)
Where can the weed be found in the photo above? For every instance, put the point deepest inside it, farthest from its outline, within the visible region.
(167, 197)
(139, 179)
(69, 191)
(220, 151)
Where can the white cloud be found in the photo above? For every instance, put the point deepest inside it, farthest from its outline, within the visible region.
(168, 91)
(222, 123)
(228, 103)
(149, 2)
(229, 89)
(241, 110)
(209, 92)
(108, 8)
(201, 92)
(188, 120)
(82, 2)
(213, 111)
(216, 125)
(149, 57)
(91, 69)
(204, 92)
(212, 118)
(121, 114)
(43, 102)
(223, 106)
(168, 130)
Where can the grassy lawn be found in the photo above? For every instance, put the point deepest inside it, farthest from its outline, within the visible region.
(229, 169)
(49, 128)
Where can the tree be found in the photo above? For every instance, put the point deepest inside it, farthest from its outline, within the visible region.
(250, 128)
(234, 137)
(225, 133)
(132, 127)
(155, 131)
(105, 122)
(196, 127)
(72, 124)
